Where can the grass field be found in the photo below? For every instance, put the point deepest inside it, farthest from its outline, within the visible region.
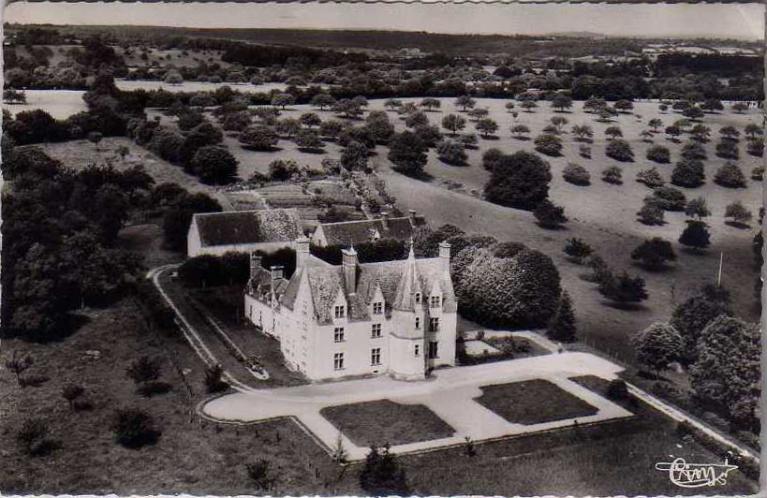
(533, 402)
(381, 422)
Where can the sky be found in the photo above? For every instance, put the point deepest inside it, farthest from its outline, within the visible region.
(656, 20)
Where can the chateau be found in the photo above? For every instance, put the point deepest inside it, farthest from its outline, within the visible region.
(334, 321)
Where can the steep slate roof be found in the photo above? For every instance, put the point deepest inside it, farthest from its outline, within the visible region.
(248, 227)
(346, 233)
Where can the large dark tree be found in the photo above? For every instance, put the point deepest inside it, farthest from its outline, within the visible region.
(520, 180)
(382, 474)
(694, 314)
(562, 325)
(408, 153)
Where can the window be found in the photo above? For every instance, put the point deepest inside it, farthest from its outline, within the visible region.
(417, 350)
(376, 330)
(434, 302)
(377, 308)
(433, 324)
(418, 322)
(340, 312)
(417, 298)
(338, 361)
(338, 334)
(433, 350)
(375, 356)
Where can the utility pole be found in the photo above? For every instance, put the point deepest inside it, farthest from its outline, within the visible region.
(719, 277)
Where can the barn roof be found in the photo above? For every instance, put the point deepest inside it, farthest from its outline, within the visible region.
(347, 233)
(248, 227)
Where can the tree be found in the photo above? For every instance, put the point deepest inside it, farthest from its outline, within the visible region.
(578, 250)
(355, 157)
(697, 208)
(451, 152)
(654, 253)
(612, 175)
(559, 122)
(730, 176)
(561, 102)
(173, 77)
(673, 132)
(260, 474)
(655, 123)
(651, 177)
(696, 312)
(415, 119)
(453, 123)
(214, 379)
(283, 100)
(310, 119)
(726, 373)
(134, 428)
(659, 154)
(510, 106)
(695, 235)
(18, 365)
(620, 150)
(382, 474)
(729, 133)
(727, 149)
(669, 198)
(486, 127)
(478, 113)
(287, 127)
(259, 137)
(490, 158)
(576, 174)
(624, 105)
(582, 132)
(392, 104)
(520, 180)
(331, 128)
(594, 104)
(753, 131)
(658, 345)
(562, 325)
(551, 145)
(519, 131)
(144, 369)
(613, 132)
(694, 113)
(408, 153)
(431, 103)
(623, 288)
(528, 105)
(688, 173)
(549, 215)
(214, 165)
(700, 133)
(309, 140)
(283, 169)
(739, 107)
(465, 102)
(693, 150)
(739, 213)
(712, 105)
(71, 392)
(650, 214)
(323, 100)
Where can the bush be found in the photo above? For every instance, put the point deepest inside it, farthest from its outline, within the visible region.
(214, 165)
(755, 147)
(408, 153)
(651, 214)
(144, 369)
(452, 152)
(623, 288)
(32, 436)
(669, 199)
(620, 150)
(214, 382)
(282, 169)
(727, 150)
(134, 428)
(562, 326)
(617, 390)
(153, 387)
(654, 253)
(659, 154)
(578, 250)
(549, 215)
(757, 173)
(576, 174)
(658, 345)
(309, 140)
(688, 173)
(613, 175)
(693, 150)
(71, 392)
(651, 177)
(738, 212)
(259, 138)
(550, 145)
(520, 180)
(695, 235)
(490, 158)
(730, 176)
(259, 473)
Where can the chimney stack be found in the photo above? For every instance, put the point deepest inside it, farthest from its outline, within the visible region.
(444, 255)
(276, 272)
(349, 263)
(255, 264)
(302, 251)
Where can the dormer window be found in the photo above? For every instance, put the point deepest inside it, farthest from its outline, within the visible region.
(435, 302)
(417, 298)
(417, 322)
(340, 311)
(378, 308)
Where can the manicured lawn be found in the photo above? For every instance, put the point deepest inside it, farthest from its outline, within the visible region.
(533, 402)
(381, 422)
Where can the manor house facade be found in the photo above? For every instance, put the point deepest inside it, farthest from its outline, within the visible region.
(335, 321)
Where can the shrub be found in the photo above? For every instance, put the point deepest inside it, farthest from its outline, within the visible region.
(153, 387)
(693, 150)
(382, 474)
(550, 145)
(469, 140)
(623, 288)
(576, 174)
(651, 177)
(549, 215)
(739, 213)
(259, 138)
(562, 326)
(214, 382)
(354, 157)
(490, 158)
(309, 140)
(659, 154)
(71, 392)
(520, 130)
(613, 175)
(654, 253)
(452, 152)
(408, 153)
(688, 173)
(214, 165)
(669, 198)
(620, 150)
(697, 208)
(144, 369)
(577, 249)
(32, 436)
(651, 214)
(658, 345)
(730, 176)
(282, 170)
(584, 151)
(599, 269)
(755, 147)
(695, 235)
(520, 180)
(757, 173)
(259, 473)
(134, 428)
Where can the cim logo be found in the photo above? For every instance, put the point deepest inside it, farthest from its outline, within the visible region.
(696, 475)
